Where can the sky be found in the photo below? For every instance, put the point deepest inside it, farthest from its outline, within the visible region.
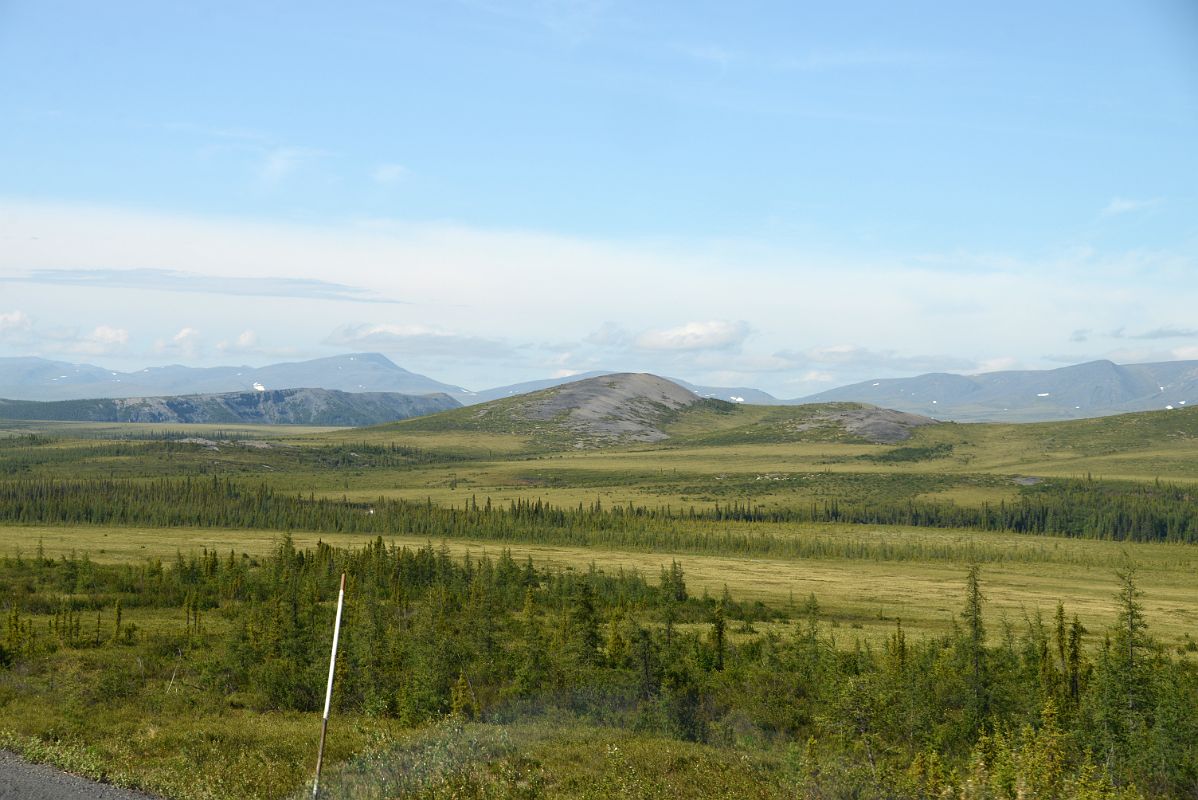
(790, 196)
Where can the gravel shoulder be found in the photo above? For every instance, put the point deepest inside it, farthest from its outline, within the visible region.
(20, 780)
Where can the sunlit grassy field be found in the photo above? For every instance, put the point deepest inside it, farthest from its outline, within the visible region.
(869, 578)
(967, 464)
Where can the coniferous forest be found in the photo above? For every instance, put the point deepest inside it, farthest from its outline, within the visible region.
(1029, 712)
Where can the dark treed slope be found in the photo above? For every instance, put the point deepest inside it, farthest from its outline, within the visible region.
(272, 407)
(1097, 388)
(40, 379)
(626, 408)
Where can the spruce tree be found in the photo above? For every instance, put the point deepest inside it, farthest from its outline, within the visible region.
(718, 624)
(975, 647)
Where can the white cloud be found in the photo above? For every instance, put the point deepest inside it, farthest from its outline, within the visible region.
(1167, 332)
(388, 174)
(996, 364)
(101, 340)
(1186, 353)
(572, 21)
(837, 354)
(712, 54)
(416, 339)
(711, 335)
(279, 163)
(355, 332)
(185, 343)
(13, 323)
(108, 335)
(17, 330)
(609, 334)
(176, 281)
(246, 342)
(856, 357)
(821, 60)
(270, 159)
(1123, 205)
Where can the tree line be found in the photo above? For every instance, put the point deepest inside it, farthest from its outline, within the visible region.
(1080, 508)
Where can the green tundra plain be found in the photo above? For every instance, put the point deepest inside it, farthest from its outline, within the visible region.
(735, 610)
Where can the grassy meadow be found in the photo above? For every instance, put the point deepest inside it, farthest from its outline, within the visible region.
(865, 579)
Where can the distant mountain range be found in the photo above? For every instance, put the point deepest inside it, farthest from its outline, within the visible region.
(1093, 389)
(271, 407)
(41, 379)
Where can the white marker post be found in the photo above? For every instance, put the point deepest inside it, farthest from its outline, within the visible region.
(328, 695)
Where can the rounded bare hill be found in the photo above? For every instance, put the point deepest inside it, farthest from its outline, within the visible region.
(610, 409)
(631, 408)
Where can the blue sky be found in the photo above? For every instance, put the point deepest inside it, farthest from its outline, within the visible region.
(785, 195)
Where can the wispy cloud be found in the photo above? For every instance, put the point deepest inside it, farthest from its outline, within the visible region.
(1163, 332)
(826, 59)
(1167, 332)
(711, 335)
(417, 340)
(995, 364)
(811, 60)
(388, 174)
(573, 21)
(175, 281)
(231, 134)
(186, 343)
(609, 334)
(14, 324)
(709, 53)
(106, 337)
(279, 163)
(100, 341)
(856, 357)
(246, 342)
(271, 160)
(1123, 205)
(18, 328)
